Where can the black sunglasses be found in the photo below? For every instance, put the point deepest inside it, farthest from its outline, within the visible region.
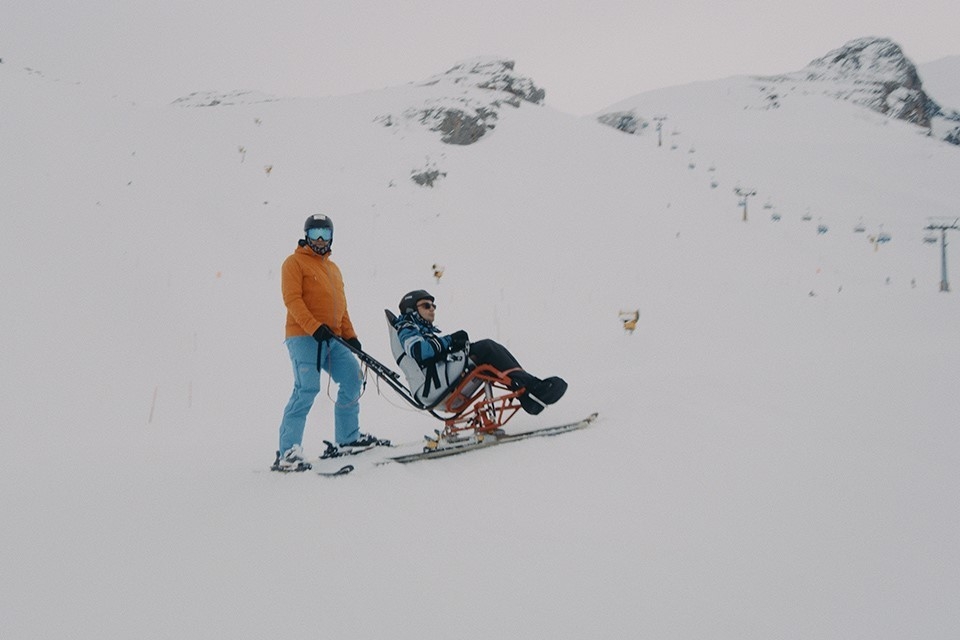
(426, 305)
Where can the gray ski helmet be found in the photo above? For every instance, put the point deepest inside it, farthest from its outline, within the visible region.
(408, 303)
(318, 221)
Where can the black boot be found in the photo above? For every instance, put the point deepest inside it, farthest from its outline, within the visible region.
(525, 381)
(537, 393)
(542, 393)
(549, 390)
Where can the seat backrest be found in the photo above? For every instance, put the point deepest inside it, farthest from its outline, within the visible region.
(448, 371)
(409, 366)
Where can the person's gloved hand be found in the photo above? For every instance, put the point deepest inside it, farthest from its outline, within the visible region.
(323, 333)
(458, 340)
(355, 343)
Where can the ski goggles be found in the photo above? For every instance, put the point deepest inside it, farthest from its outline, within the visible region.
(320, 233)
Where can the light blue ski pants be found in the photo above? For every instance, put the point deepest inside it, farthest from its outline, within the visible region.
(341, 365)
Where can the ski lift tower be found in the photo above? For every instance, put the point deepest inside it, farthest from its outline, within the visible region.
(943, 226)
(659, 120)
(744, 194)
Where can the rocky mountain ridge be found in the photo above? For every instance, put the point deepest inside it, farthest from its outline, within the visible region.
(870, 72)
(875, 73)
(465, 102)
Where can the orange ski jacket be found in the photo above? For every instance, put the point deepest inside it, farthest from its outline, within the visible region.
(313, 293)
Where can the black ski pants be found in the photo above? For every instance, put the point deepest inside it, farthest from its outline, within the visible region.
(498, 356)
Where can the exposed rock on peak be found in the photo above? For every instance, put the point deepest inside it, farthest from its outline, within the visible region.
(876, 73)
(867, 59)
(465, 102)
(495, 74)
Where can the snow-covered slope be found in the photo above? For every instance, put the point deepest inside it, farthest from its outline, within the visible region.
(777, 450)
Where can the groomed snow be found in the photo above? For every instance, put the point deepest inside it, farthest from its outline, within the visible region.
(777, 454)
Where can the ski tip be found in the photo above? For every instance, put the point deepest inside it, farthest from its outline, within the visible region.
(342, 471)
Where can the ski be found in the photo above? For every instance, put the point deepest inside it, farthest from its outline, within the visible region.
(335, 451)
(335, 455)
(490, 440)
(342, 471)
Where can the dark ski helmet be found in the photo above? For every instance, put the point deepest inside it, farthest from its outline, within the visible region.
(318, 221)
(408, 303)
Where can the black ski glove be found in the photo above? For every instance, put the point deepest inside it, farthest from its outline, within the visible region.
(322, 334)
(355, 343)
(458, 340)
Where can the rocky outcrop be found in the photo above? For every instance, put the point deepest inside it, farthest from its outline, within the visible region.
(215, 99)
(428, 175)
(464, 103)
(874, 72)
(626, 121)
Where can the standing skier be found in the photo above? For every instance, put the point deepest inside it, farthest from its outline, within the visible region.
(316, 304)
(441, 359)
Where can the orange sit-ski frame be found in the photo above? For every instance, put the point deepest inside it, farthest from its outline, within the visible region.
(483, 401)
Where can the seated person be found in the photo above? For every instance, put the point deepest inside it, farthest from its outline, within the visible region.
(442, 358)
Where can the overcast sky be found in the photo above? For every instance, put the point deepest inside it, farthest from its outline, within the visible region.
(585, 54)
